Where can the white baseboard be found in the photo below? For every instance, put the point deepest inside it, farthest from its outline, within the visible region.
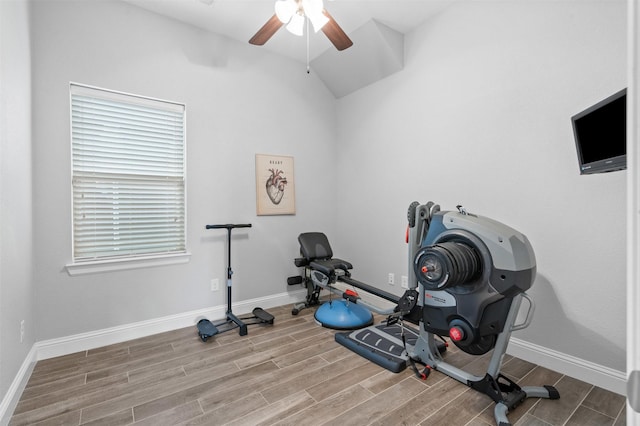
(569, 365)
(11, 398)
(109, 336)
(587, 371)
(95, 339)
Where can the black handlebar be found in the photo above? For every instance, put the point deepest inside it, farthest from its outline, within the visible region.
(229, 226)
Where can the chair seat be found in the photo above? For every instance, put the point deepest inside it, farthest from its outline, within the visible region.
(315, 248)
(329, 266)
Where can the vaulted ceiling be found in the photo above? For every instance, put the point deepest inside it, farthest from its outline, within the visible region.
(241, 19)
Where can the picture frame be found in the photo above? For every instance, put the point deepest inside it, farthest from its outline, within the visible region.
(275, 185)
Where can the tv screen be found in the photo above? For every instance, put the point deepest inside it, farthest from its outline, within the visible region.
(600, 134)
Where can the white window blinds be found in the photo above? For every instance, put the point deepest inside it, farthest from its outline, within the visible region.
(128, 175)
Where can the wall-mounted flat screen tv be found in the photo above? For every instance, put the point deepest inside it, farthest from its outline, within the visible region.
(600, 134)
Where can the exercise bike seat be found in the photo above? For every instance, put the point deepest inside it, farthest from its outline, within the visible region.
(315, 248)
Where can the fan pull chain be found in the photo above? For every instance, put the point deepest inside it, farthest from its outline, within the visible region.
(307, 23)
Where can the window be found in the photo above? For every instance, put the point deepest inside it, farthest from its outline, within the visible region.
(128, 178)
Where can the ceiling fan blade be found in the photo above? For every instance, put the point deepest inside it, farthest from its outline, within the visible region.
(267, 30)
(335, 34)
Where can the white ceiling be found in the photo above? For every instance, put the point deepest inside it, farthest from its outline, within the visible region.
(240, 19)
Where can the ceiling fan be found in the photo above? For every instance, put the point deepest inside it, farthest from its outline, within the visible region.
(293, 13)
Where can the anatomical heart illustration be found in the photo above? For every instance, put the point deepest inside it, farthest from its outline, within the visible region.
(275, 193)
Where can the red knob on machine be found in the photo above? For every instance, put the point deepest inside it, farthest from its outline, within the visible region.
(424, 270)
(456, 334)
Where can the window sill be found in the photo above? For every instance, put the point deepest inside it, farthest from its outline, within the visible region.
(99, 266)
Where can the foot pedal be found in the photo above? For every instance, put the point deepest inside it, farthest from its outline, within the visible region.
(206, 329)
(263, 315)
(294, 280)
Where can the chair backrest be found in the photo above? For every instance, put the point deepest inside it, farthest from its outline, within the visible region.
(314, 245)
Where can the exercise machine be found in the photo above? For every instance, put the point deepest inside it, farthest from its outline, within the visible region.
(322, 271)
(470, 274)
(206, 328)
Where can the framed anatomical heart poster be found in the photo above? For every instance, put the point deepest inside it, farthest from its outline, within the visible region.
(275, 187)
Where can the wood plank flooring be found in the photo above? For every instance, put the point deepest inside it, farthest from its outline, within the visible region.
(291, 373)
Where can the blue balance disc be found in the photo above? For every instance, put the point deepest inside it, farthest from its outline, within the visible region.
(340, 315)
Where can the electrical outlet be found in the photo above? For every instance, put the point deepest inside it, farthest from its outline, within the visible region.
(392, 279)
(215, 284)
(404, 281)
(21, 331)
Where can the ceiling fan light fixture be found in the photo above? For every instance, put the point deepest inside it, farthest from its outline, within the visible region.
(294, 14)
(285, 9)
(313, 10)
(318, 21)
(296, 24)
(312, 6)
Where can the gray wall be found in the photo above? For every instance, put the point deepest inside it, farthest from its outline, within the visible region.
(480, 116)
(240, 101)
(16, 258)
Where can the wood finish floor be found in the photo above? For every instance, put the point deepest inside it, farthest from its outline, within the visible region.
(291, 373)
